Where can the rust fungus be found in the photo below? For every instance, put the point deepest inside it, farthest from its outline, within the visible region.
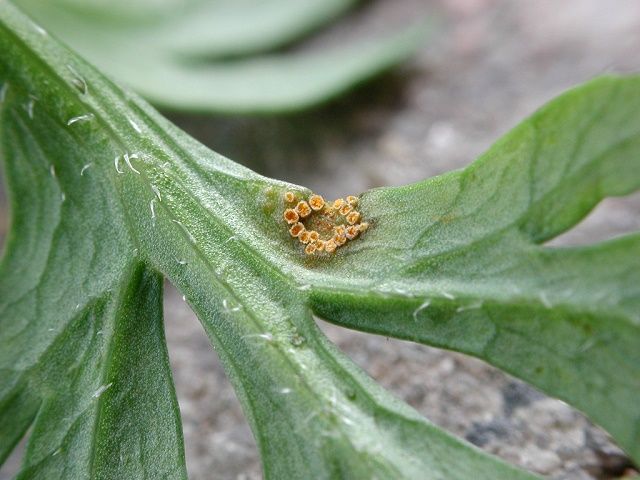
(291, 216)
(323, 226)
(316, 202)
(352, 232)
(353, 217)
(303, 209)
(296, 229)
(345, 209)
(304, 237)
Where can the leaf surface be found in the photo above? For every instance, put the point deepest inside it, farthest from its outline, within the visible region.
(468, 269)
(82, 351)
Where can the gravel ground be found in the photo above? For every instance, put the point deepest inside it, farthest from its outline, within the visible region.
(492, 63)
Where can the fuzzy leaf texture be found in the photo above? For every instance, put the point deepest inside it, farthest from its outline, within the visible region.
(456, 261)
(220, 55)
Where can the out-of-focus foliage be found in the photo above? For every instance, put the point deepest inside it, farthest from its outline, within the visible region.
(221, 55)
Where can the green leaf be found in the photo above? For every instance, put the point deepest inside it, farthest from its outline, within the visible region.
(181, 60)
(455, 261)
(220, 28)
(459, 261)
(80, 301)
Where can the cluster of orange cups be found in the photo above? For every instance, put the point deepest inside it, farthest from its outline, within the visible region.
(323, 226)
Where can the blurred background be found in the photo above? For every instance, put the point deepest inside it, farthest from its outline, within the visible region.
(489, 64)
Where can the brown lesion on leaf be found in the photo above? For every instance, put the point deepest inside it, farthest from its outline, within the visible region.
(321, 226)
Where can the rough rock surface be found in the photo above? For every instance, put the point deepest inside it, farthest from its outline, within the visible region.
(491, 64)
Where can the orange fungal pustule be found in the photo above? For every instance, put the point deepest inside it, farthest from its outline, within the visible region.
(345, 209)
(322, 227)
(296, 229)
(353, 217)
(291, 216)
(304, 237)
(303, 209)
(352, 232)
(316, 202)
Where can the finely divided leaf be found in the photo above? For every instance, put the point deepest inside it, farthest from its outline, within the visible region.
(104, 193)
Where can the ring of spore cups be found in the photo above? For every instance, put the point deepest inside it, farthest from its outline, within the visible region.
(323, 226)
